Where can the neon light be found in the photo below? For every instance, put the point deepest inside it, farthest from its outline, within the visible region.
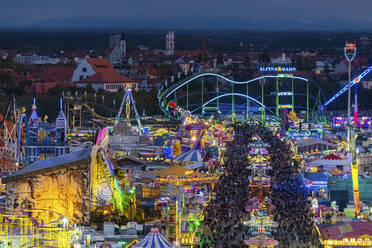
(237, 94)
(356, 80)
(285, 106)
(285, 93)
(228, 80)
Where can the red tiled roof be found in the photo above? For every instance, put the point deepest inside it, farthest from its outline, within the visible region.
(105, 73)
(43, 87)
(15, 75)
(350, 230)
(57, 73)
(152, 70)
(192, 53)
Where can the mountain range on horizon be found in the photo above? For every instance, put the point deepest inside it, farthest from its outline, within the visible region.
(191, 23)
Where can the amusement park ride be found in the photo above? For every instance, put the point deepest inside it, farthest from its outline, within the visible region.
(76, 105)
(188, 95)
(229, 89)
(350, 52)
(194, 94)
(8, 136)
(128, 100)
(25, 139)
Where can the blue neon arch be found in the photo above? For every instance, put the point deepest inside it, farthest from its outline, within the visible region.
(240, 95)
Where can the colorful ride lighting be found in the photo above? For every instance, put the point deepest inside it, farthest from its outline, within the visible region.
(260, 179)
(288, 93)
(350, 46)
(285, 106)
(257, 166)
(363, 122)
(128, 87)
(262, 151)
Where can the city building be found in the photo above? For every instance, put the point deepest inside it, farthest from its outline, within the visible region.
(117, 49)
(35, 59)
(169, 42)
(47, 77)
(283, 60)
(99, 73)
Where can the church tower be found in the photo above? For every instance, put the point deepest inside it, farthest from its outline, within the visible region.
(123, 47)
(169, 42)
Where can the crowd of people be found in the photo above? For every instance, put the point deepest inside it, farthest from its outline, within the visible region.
(292, 209)
(223, 219)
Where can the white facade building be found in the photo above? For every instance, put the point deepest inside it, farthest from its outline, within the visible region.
(283, 60)
(35, 59)
(82, 71)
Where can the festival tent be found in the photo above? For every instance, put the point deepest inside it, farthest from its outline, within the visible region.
(331, 161)
(190, 156)
(175, 170)
(154, 240)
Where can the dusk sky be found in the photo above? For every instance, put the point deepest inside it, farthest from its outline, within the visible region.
(193, 14)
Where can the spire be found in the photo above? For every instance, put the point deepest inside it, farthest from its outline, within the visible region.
(61, 118)
(34, 116)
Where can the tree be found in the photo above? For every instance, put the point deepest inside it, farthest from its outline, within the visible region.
(265, 58)
(247, 61)
(20, 87)
(89, 89)
(200, 58)
(6, 82)
(219, 59)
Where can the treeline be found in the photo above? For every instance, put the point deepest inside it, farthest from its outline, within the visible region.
(104, 103)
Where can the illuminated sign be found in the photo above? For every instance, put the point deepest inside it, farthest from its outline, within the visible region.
(195, 126)
(277, 69)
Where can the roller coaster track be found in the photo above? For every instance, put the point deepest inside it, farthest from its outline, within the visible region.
(110, 120)
(164, 94)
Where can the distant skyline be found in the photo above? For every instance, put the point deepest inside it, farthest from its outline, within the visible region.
(191, 14)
